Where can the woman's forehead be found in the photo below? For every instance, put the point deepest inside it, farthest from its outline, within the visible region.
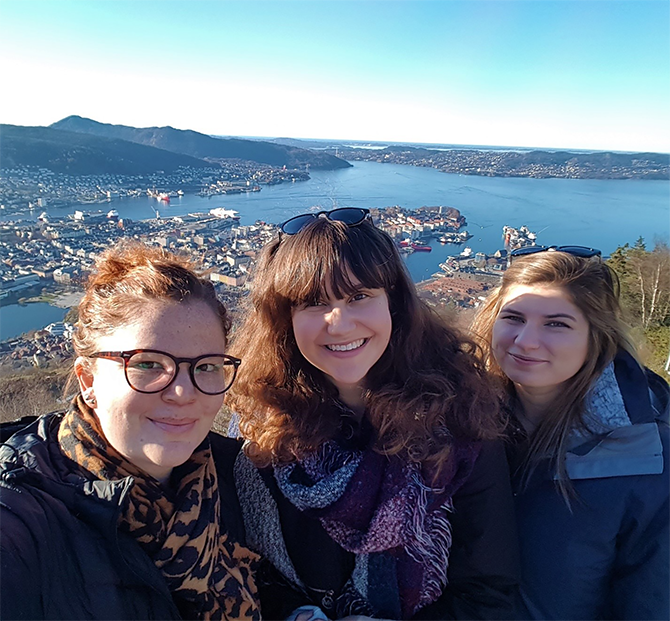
(547, 296)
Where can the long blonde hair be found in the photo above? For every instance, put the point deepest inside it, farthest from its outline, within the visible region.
(594, 288)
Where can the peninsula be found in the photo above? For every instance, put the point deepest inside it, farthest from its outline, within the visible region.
(519, 163)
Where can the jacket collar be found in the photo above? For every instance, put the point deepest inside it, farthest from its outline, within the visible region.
(32, 458)
(620, 397)
(621, 436)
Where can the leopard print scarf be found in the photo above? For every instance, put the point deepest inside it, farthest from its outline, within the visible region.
(180, 531)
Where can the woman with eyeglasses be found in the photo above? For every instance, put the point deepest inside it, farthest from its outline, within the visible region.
(117, 509)
(588, 443)
(369, 481)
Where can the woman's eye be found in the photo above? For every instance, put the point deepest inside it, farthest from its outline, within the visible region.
(512, 318)
(147, 365)
(208, 367)
(557, 324)
(359, 296)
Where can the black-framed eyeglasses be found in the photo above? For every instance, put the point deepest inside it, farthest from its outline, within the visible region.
(583, 252)
(150, 370)
(351, 216)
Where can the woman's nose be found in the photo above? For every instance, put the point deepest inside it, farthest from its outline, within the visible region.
(182, 389)
(339, 320)
(527, 336)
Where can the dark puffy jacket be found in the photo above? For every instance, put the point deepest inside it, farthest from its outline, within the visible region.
(61, 554)
(606, 557)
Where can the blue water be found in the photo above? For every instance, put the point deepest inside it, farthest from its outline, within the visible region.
(16, 319)
(603, 214)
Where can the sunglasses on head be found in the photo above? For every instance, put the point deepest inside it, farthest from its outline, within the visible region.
(583, 252)
(351, 216)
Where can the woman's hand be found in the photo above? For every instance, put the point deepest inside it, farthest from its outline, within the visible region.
(307, 613)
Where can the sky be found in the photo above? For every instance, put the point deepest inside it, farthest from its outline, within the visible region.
(576, 74)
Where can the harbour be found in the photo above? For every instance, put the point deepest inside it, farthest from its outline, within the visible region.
(602, 214)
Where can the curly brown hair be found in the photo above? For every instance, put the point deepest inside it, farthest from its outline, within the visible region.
(125, 278)
(427, 386)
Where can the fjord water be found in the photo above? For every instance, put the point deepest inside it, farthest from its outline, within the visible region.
(16, 319)
(599, 213)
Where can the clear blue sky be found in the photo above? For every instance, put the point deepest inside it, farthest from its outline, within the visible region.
(573, 74)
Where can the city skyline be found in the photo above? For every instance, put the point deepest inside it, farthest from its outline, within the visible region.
(544, 74)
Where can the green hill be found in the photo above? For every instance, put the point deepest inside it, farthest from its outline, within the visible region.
(202, 146)
(82, 154)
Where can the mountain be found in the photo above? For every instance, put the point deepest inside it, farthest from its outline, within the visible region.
(202, 146)
(305, 144)
(81, 154)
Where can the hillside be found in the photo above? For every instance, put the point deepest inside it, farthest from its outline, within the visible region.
(32, 392)
(200, 145)
(82, 154)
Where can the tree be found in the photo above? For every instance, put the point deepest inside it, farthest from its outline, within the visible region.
(645, 282)
(645, 295)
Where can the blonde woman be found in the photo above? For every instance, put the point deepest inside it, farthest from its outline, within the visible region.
(588, 440)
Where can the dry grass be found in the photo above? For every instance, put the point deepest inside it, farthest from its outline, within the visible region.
(32, 392)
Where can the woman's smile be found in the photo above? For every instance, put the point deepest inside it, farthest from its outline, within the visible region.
(526, 359)
(353, 346)
(178, 426)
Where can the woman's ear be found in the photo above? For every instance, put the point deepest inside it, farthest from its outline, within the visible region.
(85, 378)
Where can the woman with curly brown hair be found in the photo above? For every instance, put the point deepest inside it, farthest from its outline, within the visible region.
(123, 507)
(588, 443)
(369, 478)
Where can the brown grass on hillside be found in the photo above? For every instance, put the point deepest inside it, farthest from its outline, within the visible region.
(32, 392)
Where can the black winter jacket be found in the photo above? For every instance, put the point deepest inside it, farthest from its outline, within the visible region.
(61, 555)
(607, 558)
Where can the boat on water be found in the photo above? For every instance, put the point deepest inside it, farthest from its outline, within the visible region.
(420, 247)
(467, 252)
(405, 243)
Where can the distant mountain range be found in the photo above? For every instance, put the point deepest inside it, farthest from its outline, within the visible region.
(202, 146)
(82, 154)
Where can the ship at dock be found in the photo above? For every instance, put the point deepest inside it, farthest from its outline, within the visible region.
(418, 246)
(225, 214)
(454, 237)
(407, 246)
(159, 196)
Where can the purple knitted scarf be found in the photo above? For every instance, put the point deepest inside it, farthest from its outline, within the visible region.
(383, 510)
